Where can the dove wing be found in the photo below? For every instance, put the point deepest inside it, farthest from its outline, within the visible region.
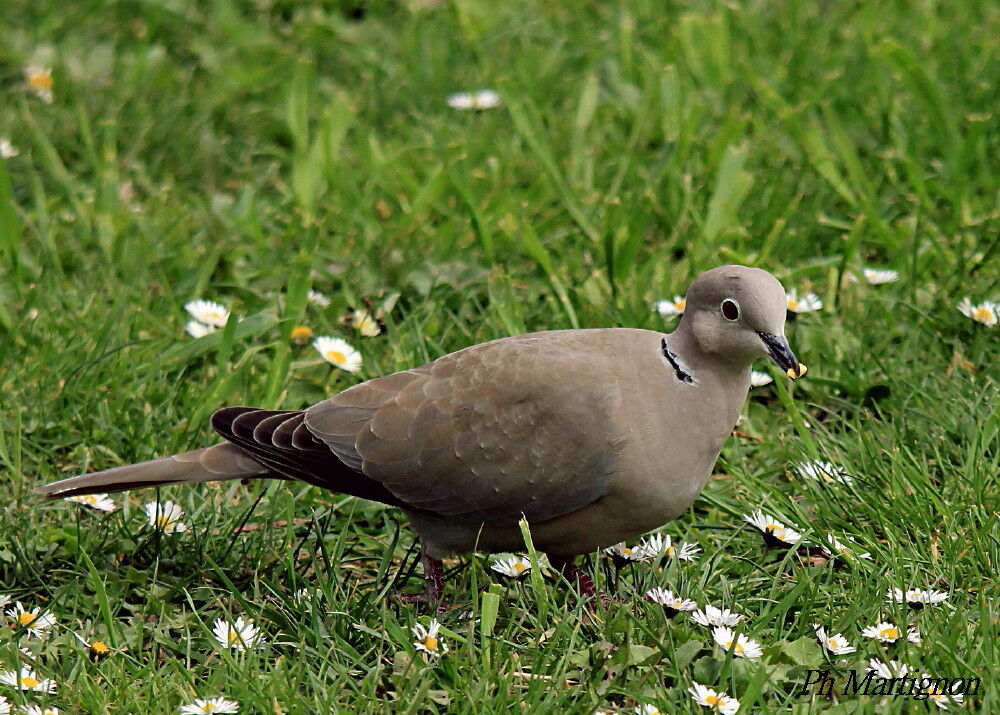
(516, 426)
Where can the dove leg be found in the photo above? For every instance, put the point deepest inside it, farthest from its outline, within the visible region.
(574, 574)
(433, 583)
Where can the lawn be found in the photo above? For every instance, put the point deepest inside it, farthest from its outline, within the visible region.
(247, 153)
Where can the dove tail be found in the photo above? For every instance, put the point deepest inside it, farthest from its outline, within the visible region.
(217, 463)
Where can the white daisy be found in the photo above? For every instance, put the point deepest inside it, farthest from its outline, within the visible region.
(512, 566)
(40, 82)
(4, 600)
(26, 679)
(671, 307)
(884, 631)
(4, 705)
(913, 635)
(836, 644)
(7, 150)
(210, 705)
(307, 595)
(198, 330)
(36, 620)
(740, 645)
(652, 547)
(427, 639)
(759, 379)
(339, 353)
(239, 635)
(672, 604)
(658, 545)
(620, 553)
(876, 276)
(805, 304)
(97, 650)
(317, 298)
(166, 517)
(300, 334)
(916, 597)
(37, 710)
(478, 100)
(824, 472)
(841, 549)
(94, 501)
(941, 698)
(365, 324)
(712, 616)
(207, 312)
(686, 551)
(647, 709)
(775, 533)
(892, 669)
(718, 701)
(987, 312)
(787, 536)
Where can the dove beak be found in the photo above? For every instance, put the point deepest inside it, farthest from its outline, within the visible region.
(781, 353)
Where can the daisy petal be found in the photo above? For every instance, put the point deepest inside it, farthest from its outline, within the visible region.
(339, 353)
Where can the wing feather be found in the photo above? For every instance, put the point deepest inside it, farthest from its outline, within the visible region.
(485, 434)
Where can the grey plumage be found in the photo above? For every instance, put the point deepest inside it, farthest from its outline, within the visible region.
(216, 463)
(594, 436)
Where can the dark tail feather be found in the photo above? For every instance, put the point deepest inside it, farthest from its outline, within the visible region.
(217, 463)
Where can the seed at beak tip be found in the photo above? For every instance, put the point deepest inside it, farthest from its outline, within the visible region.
(802, 371)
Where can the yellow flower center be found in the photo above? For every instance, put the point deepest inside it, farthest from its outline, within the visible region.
(216, 315)
(301, 332)
(430, 643)
(163, 521)
(832, 644)
(89, 499)
(100, 647)
(626, 551)
(234, 638)
(737, 649)
(29, 682)
(793, 304)
(335, 357)
(671, 550)
(680, 305)
(209, 708)
(26, 618)
(40, 81)
(890, 633)
(982, 314)
(519, 567)
(713, 700)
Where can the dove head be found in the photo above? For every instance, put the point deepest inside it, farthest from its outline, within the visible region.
(737, 314)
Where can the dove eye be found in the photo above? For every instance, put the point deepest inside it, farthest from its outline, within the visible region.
(730, 309)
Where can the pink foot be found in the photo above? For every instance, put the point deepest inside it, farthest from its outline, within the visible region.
(434, 585)
(584, 584)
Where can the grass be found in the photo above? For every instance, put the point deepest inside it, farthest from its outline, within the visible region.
(245, 152)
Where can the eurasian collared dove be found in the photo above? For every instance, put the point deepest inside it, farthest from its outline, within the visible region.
(594, 436)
